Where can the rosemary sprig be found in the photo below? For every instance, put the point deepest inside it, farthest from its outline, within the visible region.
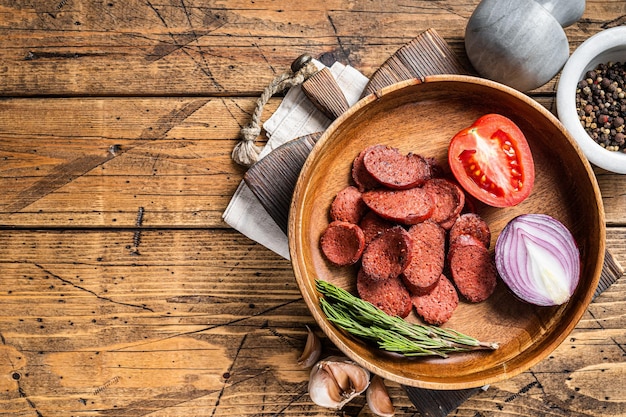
(363, 319)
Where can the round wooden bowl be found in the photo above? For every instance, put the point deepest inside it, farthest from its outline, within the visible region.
(422, 117)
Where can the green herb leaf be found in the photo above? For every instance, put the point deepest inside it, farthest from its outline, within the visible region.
(362, 319)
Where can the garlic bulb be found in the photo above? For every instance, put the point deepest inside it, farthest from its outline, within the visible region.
(336, 380)
(378, 398)
(312, 350)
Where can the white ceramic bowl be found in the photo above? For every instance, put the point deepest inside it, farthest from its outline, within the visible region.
(603, 47)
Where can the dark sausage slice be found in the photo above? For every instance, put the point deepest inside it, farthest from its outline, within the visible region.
(342, 243)
(363, 179)
(449, 200)
(348, 206)
(403, 206)
(395, 170)
(387, 255)
(460, 241)
(427, 257)
(373, 226)
(470, 204)
(472, 268)
(390, 295)
(473, 225)
(437, 306)
(436, 169)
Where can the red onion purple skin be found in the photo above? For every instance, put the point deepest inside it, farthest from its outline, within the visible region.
(547, 232)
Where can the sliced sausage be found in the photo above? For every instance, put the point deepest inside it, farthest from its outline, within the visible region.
(473, 225)
(470, 204)
(348, 206)
(436, 307)
(373, 226)
(395, 170)
(361, 177)
(342, 243)
(436, 169)
(460, 241)
(427, 257)
(403, 206)
(448, 198)
(472, 268)
(390, 295)
(387, 255)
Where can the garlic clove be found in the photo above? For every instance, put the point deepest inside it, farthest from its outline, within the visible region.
(335, 380)
(378, 398)
(323, 389)
(312, 350)
(347, 378)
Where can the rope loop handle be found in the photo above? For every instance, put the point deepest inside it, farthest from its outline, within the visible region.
(246, 152)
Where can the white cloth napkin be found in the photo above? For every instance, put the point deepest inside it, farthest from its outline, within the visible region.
(296, 116)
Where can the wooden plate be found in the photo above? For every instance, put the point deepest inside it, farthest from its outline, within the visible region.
(421, 117)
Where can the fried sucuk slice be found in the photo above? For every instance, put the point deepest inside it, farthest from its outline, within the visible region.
(348, 206)
(363, 179)
(373, 226)
(395, 170)
(449, 223)
(428, 257)
(472, 268)
(460, 241)
(387, 255)
(471, 224)
(342, 243)
(448, 198)
(436, 307)
(470, 205)
(436, 169)
(403, 206)
(390, 295)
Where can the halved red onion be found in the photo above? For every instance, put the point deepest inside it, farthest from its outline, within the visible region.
(537, 258)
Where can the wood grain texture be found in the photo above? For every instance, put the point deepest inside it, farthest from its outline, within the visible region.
(142, 150)
(273, 178)
(168, 155)
(109, 107)
(88, 326)
(325, 94)
(195, 47)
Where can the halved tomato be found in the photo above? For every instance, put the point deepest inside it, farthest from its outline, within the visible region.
(492, 161)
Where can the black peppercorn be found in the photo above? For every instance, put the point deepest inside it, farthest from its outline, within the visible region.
(601, 104)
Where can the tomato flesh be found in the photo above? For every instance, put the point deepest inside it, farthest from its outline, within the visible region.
(489, 177)
(492, 161)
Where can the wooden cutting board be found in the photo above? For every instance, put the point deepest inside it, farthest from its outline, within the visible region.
(274, 177)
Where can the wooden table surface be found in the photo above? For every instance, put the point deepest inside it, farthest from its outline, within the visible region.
(118, 114)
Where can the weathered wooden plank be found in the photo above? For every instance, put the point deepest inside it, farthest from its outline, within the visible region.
(124, 118)
(110, 157)
(613, 196)
(91, 328)
(195, 48)
(184, 316)
(184, 48)
(84, 162)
